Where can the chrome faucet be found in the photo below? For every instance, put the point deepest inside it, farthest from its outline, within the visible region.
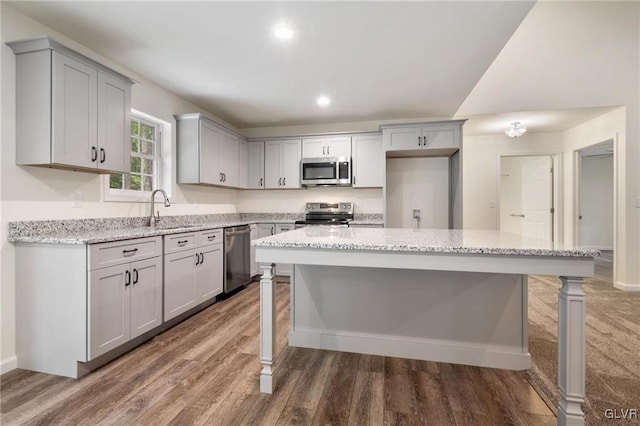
(153, 220)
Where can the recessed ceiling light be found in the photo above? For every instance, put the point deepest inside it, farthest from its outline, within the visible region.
(323, 101)
(283, 32)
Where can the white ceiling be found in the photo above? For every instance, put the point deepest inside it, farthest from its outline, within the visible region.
(376, 60)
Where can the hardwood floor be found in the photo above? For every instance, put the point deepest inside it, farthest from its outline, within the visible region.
(205, 371)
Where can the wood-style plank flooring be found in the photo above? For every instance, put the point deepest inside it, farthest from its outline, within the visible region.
(205, 371)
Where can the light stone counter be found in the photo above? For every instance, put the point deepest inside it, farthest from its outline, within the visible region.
(457, 296)
(421, 240)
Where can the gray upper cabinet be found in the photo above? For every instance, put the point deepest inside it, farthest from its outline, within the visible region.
(71, 112)
(368, 161)
(207, 154)
(441, 138)
(326, 146)
(255, 165)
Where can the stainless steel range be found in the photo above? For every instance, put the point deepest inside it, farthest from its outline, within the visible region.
(327, 214)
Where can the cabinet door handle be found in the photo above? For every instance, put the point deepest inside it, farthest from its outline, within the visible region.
(201, 258)
(328, 148)
(284, 181)
(182, 243)
(323, 150)
(197, 259)
(127, 252)
(224, 175)
(272, 230)
(260, 182)
(127, 278)
(135, 276)
(103, 155)
(94, 154)
(354, 179)
(419, 140)
(280, 182)
(424, 141)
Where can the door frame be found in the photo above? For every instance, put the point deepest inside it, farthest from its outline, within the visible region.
(556, 187)
(577, 162)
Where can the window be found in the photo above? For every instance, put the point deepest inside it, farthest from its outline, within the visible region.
(147, 162)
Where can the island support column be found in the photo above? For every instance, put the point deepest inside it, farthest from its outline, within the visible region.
(571, 351)
(267, 327)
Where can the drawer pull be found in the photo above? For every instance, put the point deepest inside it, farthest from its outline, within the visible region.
(211, 237)
(128, 252)
(182, 243)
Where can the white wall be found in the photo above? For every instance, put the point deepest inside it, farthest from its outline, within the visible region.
(39, 193)
(614, 126)
(480, 172)
(596, 202)
(293, 200)
(421, 183)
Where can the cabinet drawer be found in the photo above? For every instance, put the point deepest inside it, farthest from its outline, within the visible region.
(179, 242)
(206, 238)
(119, 252)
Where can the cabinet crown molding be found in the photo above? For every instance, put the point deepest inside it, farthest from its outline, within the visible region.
(47, 43)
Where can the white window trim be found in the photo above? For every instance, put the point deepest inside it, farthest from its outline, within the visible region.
(164, 180)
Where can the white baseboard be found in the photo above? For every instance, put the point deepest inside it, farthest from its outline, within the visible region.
(8, 364)
(627, 287)
(427, 350)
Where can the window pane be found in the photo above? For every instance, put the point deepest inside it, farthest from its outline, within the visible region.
(115, 181)
(132, 182)
(135, 164)
(134, 128)
(147, 183)
(135, 145)
(148, 148)
(148, 166)
(147, 132)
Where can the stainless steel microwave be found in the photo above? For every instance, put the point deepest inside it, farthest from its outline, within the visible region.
(327, 171)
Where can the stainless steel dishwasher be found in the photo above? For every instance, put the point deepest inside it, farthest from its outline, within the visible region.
(237, 268)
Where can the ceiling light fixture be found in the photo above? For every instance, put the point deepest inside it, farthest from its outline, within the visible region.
(515, 130)
(323, 101)
(283, 32)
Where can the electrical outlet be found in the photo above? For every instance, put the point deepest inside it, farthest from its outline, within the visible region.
(76, 199)
(416, 213)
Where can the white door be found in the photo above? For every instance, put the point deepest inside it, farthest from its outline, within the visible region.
(180, 285)
(75, 113)
(368, 161)
(146, 295)
(283, 268)
(339, 146)
(526, 196)
(314, 147)
(228, 160)
(209, 272)
(209, 154)
(403, 138)
(290, 164)
(242, 163)
(272, 176)
(114, 125)
(109, 309)
(255, 165)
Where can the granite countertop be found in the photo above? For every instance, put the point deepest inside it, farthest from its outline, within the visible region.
(421, 240)
(92, 231)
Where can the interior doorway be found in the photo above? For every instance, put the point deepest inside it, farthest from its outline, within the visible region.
(595, 204)
(527, 196)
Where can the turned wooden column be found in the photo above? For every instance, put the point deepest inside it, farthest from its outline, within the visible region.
(571, 353)
(267, 327)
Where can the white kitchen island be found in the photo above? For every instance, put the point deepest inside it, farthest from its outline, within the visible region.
(455, 296)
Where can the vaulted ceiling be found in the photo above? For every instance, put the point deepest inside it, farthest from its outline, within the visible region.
(375, 60)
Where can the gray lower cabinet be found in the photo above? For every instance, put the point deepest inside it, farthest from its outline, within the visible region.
(75, 303)
(194, 274)
(125, 301)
